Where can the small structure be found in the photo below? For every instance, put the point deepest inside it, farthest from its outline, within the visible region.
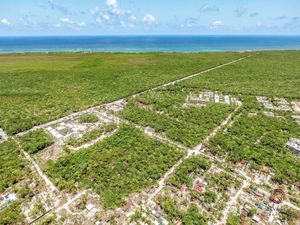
(296, 186)
(105, 117)
(128, 206)
(155, 213)
(277, 196)
(262, 206)
(296, 118)
(91, 208)
(150, 131)
(65, 131)
(6, 199)
(256, 219)
(296, 106)
(280, 104)
(116, 106)
(294, 145)
(198, 187)
(164, 221)
(3, 136)
(203, 98)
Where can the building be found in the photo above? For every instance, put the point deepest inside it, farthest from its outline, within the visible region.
(116, 106)
(294, 145)
(65, 131)
(214, 97)
(280, 104)
(6, 199)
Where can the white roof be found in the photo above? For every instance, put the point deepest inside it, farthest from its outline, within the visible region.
(89, 207)
(256, 218)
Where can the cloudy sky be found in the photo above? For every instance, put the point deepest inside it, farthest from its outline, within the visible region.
(105, 17)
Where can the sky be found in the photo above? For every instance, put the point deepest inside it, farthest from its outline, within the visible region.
(138, 17)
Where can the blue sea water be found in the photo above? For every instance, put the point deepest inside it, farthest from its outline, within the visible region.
(147, 43)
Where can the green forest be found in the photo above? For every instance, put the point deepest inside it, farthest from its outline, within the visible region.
(35, 141)
(122, 164)
(13, 167)
(39, 87)
(261, 140)
(163, 110)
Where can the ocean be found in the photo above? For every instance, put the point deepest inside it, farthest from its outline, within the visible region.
(147, 43)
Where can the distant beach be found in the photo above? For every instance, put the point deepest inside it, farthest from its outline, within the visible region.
(147, 43)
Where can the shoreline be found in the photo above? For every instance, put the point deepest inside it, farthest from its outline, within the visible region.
(148, 43)
(142, 52)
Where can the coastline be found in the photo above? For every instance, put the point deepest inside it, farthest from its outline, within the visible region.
(148, 44)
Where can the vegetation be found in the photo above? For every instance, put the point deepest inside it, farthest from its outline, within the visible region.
(35, 141)
(191, 217)
(181, 174)
(12, 214)
(13, 167)
(289, 215)
(47, 221)
(233, 219)
(271, 73)
(39, 87)
(124, 163)
(163, 110)
(88, 118)
(92, 135)
(251, 139)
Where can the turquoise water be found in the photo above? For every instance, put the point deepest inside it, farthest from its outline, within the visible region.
(147, 43)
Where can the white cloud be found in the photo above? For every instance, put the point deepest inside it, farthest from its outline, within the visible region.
(207, 8)
(132, 18)
(66, 20)
(105, 16)
(111, 3)
(95, 10)
(81, 24)
(4, 21)
(217, 24)
(149, 19)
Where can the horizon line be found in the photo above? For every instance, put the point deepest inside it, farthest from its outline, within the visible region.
(137, 35)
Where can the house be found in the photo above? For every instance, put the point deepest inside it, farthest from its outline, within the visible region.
(198, 187)
(244, 213)
(128, 206)
(7, 199)
(262, 206)
(164, 221)
(89, 207)
(240, 165)
(296, 186)
(155, 213)
(157, 207)
(256, 219)
(182, 189)
(294, 145)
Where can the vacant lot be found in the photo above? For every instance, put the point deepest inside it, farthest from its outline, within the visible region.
(35, 88)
